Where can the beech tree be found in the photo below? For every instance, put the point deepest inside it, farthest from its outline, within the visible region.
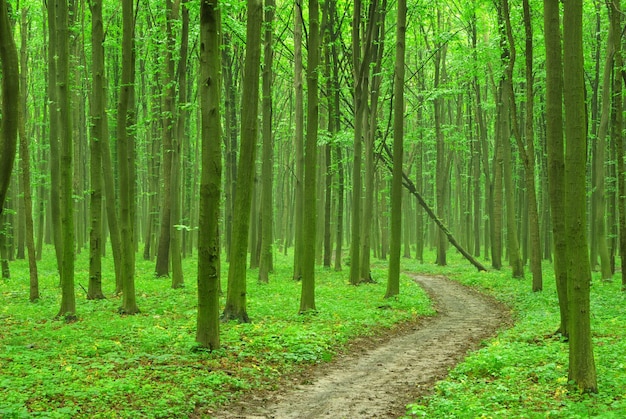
(125, 108)
(10, 93)
(208, 325)
(68, 298)
(235, 308)
(393, 282)
(582, 368)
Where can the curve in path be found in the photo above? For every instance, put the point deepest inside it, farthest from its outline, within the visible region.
(380, 382)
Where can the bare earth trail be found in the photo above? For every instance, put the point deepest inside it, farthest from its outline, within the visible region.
(379, 382)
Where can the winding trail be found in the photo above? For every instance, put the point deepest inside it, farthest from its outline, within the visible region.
(378, 383)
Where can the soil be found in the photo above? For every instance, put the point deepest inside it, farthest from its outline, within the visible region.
(379, 380)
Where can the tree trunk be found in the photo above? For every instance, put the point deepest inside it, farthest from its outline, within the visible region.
(55, 199)
(555, 149)
(68, 298)
(98, 119)
(208, 325)
(359, 109)
(393, 280)
(440, 171)
(307, 297)
(617, 126)
(177, 141)
(163, 250)
(267, 175)
(299, 144)
(236, 295)
(25, 162)
(598, 191)
(10, 95)
(528, 157)
(126, 162)
(582, 368)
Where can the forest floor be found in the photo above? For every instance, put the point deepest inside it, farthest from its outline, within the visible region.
(376, 378)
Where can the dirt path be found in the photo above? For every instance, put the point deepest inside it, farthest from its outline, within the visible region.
(380, 382)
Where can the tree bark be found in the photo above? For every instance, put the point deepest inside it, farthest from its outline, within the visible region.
(528, 157)
(267, 176)
(208, 325)
(236, 294)
(393, 280)
(163, 250)
(555, 149)
(98, 119)
(617, 126)
(177, 141)
(126, 162)
(598, 194)
(68, 298)
(307, 296)
(582, 368)
(10, 95)
(299, 144)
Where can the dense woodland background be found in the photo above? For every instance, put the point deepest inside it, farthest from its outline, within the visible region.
(276, 125)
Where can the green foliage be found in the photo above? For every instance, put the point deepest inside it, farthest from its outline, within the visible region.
(522, 373)
(106, 365)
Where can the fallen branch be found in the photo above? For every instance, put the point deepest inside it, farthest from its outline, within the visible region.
(410, 186)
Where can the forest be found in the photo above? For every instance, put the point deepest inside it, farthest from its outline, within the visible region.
(204, 205)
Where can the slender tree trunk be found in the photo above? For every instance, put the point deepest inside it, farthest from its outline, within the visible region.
(528, 157)
(617, 126)
(555, 149)
(208, 325)
(25, 161)
(507, 116)
(299, 144)
(440, 172)
(68, 298)
(267, 176)
(599, 191)
(236, 295)
(97, 132)
(355, 240)
(582, 368)
(163, 250)
(229, 68)
(177, 141)
(393, 280)
(335, 116)
(55, 199)
(307, 297)
(126, 161)
(10, 95)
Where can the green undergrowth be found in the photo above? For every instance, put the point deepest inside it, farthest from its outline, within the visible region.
(107, 365)
(522, 373)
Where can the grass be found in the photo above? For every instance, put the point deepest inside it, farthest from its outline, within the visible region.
(106, 365)
(522, 373)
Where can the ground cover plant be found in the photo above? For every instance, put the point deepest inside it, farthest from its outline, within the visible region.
(107, 365)
(522, 373)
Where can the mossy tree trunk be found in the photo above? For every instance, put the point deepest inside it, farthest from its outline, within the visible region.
(208, 325)
(236, 294)
(98, 119)
(393, 280)
(307, 296)
(299, 143)
(555, 150)
(68, 298)
(126, 162)
(267, 174)
(582, 370)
